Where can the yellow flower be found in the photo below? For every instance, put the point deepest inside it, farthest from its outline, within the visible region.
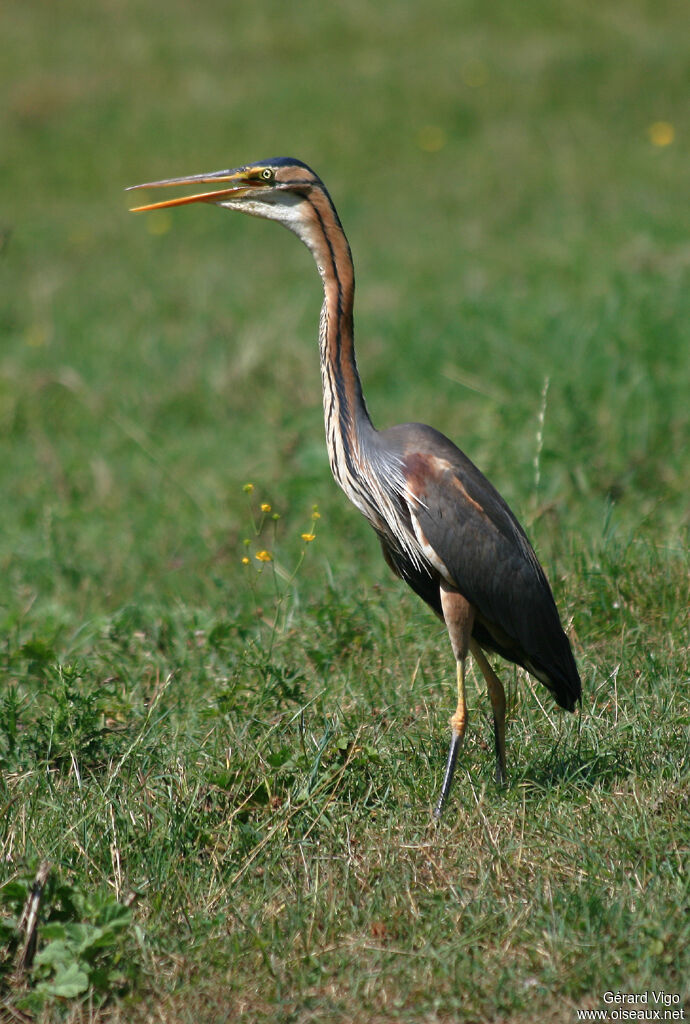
(157, 223)
(248, 488)
(307, 537)
(264, 556)
(245, 560)
(265, 507)
(316, 514)
(475, 74)
(661, 133)
(431, 138)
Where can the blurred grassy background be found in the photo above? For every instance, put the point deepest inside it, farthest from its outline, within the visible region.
(511, 218)
(513, 180)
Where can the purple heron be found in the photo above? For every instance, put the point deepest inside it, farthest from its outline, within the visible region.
(444, 529)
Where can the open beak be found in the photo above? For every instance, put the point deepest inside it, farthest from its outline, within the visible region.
(241, 183)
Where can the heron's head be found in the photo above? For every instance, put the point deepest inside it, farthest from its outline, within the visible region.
(277, 189)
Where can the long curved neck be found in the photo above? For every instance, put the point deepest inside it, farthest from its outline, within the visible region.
(373, 479)
(346, 418)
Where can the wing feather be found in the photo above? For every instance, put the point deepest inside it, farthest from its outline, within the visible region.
(469, 535)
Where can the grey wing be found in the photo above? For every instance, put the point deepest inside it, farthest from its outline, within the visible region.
(471, 537)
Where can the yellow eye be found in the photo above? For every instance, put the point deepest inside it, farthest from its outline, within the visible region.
(267, 174)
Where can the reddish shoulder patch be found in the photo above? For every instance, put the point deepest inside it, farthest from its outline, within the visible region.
(425, 471)
(420, 468)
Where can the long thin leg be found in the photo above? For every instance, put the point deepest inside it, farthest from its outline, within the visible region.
(497, 697)
(458, 724)
(459, 618)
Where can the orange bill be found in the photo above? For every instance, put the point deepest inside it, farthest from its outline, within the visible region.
(243, 184)
(201, 197)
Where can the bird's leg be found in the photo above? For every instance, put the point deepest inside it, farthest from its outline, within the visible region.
(459, 618)
(458, 724)
(497, 697)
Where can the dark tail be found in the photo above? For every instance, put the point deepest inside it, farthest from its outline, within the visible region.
(558, 672)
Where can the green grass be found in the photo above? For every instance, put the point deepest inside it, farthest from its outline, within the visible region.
(230, 770)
